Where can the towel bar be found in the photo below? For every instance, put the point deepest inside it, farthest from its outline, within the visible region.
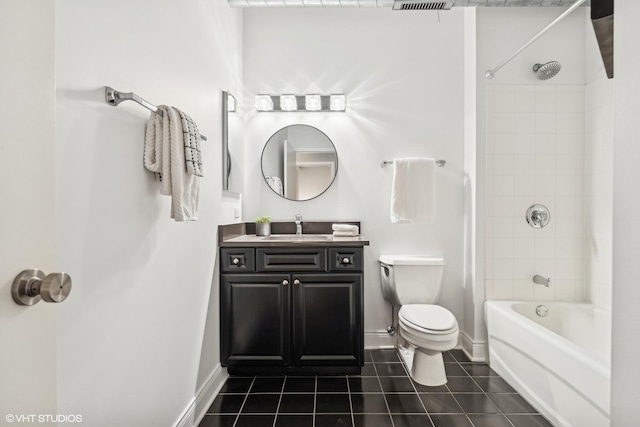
(114, 98)
(439, 163)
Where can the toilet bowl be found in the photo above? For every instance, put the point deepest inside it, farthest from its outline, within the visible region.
(414, 283)
(431, 329)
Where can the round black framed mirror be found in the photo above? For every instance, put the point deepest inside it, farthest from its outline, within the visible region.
(299, 162)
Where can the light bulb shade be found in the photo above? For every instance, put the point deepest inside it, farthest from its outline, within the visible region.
(288, 103)
(338, 102)
(264, 103)
(313, 102)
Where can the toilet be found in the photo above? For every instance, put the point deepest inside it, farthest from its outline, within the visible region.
(414, 283)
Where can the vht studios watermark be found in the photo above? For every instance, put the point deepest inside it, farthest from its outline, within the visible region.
(42, 418)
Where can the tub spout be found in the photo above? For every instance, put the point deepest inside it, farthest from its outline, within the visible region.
(538, 279)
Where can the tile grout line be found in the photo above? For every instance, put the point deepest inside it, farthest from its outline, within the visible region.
(384, 396)
(353, 421)
(315, 400)
(235, 422)
(485, 393)
(415, 389)
(454, 396)
(279, 400)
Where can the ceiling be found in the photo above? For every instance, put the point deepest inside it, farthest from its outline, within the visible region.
(389, 3)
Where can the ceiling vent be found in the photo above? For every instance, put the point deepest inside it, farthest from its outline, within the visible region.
(422, 5)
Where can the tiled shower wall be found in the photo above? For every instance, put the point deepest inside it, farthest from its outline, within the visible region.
(599, 191)
(535, 154)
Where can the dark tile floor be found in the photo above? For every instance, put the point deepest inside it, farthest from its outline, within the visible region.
(383, 396)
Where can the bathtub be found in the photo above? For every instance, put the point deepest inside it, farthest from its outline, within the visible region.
(559, 362)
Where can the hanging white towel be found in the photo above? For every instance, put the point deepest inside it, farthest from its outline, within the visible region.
(165, 154)
(413, 190)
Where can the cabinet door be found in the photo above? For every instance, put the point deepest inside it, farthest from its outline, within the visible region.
(327, 319)
(255, 319)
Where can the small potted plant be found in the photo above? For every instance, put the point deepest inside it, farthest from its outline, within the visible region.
(263, 226)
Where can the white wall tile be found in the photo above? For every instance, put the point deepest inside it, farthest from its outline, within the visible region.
(523, 249)
(546, 143)
(524, 186)
(502, 269)
(524, 123)
(503, 206)
(546, 123)
(524, 143)
(524, 164)
(545, 165)
(501, 123)
(503, 164)
(543, 138)
(502, 143)
(545, 249)
(524, 99)
(523, 290)
(503, 185)
(570, 123)
(503, 289)
(546, 99)
(503, 227)
(503, 248)
(503, 102)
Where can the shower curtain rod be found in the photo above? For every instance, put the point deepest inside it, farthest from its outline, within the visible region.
(490, 73)
(114, 97)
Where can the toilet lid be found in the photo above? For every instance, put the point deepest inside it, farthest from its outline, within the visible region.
(428, 316)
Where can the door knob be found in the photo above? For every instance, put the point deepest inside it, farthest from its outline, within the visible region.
(30, 286)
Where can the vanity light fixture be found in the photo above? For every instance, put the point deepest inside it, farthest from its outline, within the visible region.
(313, 102)
(301, 103)
(264, 103)
(338, 102)
(288, 103)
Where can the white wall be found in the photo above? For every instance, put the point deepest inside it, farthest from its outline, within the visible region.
(27, 229)
(133, 343)
(403, 76)
(599, 142)
(626, 228)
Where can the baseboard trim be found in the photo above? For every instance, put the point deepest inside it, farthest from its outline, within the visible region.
(207, 393)
(186, 420)
(379, 340)
(475, 350)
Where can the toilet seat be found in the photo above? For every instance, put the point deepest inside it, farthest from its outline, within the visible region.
(428, 319)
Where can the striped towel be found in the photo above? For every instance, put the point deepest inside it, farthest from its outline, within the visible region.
(191, 136)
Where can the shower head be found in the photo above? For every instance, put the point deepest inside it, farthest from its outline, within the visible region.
(547, 71)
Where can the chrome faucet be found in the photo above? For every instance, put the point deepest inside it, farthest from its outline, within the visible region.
(298, 225)
(538, 279)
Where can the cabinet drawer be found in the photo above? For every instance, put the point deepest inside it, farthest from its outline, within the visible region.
(237, 260)
(291, 259)
(345, 259)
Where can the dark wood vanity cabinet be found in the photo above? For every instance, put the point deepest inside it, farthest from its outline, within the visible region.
(296, 310)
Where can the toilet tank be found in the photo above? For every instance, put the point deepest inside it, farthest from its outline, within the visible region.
(411, 279)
